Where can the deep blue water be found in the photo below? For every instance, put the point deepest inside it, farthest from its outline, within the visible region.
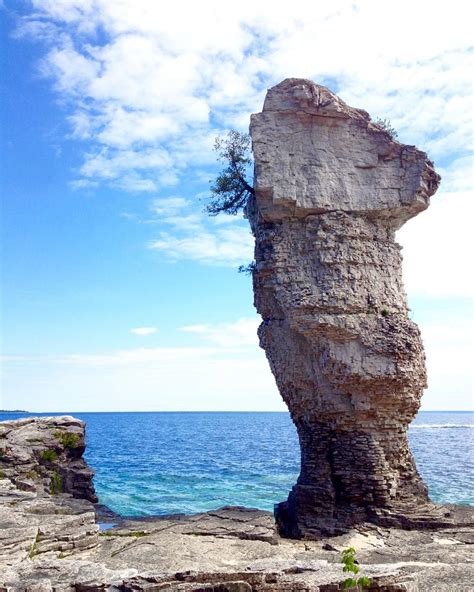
(161, 463)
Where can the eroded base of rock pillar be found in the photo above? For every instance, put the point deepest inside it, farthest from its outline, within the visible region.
(349, 477)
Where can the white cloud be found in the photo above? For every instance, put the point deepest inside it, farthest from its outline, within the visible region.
(163, 75)
(231, 373)
(240, 333)
(437, 247)
(150, 99)
(168, 206)
(227, 247)
(144, 331)
(449, 346)
(224, 241)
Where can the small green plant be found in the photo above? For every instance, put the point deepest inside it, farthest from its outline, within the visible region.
(387, 127)
(2, 475)
(384, 312)
(248, 269)
(49, 455)
(350, 566)
(56, 484)
(31, 475)
(67, 439)
(33, 550)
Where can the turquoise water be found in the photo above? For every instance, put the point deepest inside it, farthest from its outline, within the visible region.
(161, 463)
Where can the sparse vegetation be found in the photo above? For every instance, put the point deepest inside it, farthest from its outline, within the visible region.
(133, 533)
(386, 126)
(33, 550)
(247, 269)
(2, 475)
(56, 484)
(49, 455)
(384, 312)
(231, 190)
(349, 563)
(67, 439)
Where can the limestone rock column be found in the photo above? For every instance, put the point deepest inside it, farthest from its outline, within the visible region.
(331, 189)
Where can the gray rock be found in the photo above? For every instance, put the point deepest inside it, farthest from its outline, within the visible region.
(45, 454)
(331, 189)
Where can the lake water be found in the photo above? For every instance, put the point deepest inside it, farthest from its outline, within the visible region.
(161, 463)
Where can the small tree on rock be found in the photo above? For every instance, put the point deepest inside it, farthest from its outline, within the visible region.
(231, 190)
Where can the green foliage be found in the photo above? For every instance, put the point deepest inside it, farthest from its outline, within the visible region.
(33, 550)
(56, 484)
(349, 564)
(230, 190)
(67, 439)
(49, 455)
(247, 269)
(2, 475)
(384, 312)
(386, 126)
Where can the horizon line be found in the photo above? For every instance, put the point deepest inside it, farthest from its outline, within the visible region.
(207, 411)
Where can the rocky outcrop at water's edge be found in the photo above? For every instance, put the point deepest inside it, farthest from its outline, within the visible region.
(50, 539)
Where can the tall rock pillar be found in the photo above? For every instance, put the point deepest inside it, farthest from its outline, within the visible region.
(331, 189)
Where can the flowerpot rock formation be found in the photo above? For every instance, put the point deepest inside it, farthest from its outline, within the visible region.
(331, 189)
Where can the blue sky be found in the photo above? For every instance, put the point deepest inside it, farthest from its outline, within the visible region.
(118, 292)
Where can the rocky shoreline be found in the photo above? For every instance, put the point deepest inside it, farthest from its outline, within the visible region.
(51, 537)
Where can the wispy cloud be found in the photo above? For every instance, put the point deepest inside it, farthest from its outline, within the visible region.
(228, 246)
(240, 333)
(150, 89)
(223, 369)
(147, 90)
(144, 331)
(224, 240)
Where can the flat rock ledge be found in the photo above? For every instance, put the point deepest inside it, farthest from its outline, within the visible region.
(53, 540)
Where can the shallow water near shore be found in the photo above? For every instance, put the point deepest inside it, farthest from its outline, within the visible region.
(161, 463)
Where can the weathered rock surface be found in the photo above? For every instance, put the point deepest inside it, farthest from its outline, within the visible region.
(331, 189)
(51, 542)
(45, 455)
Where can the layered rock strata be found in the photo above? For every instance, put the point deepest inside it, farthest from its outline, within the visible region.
(331, 189)
(50, 541)
(44, 455)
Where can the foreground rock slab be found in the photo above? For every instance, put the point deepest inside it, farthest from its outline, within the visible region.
(237, 550)
(331, 189)
(53, 541)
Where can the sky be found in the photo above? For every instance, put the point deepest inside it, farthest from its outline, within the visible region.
(119, 292)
